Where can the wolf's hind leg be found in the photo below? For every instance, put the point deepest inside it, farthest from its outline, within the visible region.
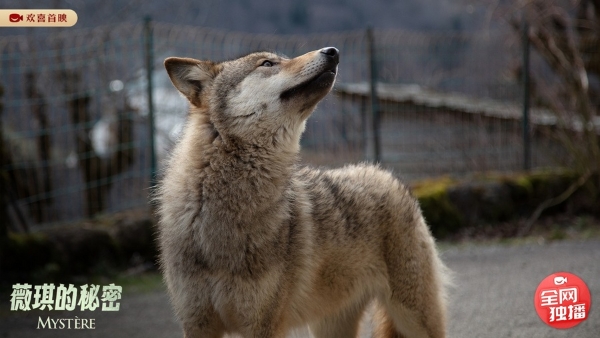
(343, 324)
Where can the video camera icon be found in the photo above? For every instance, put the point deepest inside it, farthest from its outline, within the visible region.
(15, 17)
(560, 280)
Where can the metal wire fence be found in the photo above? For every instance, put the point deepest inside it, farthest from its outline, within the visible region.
(75, 125)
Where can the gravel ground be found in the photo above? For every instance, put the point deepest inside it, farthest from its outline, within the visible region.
(493, 297)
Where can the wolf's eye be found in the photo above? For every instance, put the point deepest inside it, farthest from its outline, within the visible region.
(267, 63)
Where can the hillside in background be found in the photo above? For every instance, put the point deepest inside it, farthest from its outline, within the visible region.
(274, 17)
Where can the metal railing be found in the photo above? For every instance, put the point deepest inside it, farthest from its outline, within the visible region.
(89, 113)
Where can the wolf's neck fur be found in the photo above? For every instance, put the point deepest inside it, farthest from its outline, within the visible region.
(230, 198)
(234, 181)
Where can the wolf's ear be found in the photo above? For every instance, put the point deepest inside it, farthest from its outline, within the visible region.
(191, 76)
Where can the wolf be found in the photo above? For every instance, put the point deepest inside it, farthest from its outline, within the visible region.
(253, 244)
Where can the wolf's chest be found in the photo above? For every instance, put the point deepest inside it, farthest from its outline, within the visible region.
(226, 250)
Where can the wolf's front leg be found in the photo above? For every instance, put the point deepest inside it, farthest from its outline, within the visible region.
(198, 316)
(343, 324)
(191, 330)
(265, 318)
(265, 327)
(205, 325)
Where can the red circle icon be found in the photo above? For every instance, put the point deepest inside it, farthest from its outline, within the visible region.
(562, 300)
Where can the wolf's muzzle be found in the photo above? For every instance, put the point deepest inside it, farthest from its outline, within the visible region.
(333, 53)
(325, 66)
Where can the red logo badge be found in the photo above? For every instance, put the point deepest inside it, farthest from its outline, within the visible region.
(562, 300)
(14, 17)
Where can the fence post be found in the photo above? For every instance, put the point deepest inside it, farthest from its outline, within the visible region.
(149, 56)
(525, 80)
(374, 98)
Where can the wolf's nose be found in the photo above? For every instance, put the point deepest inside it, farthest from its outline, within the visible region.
(332, 52)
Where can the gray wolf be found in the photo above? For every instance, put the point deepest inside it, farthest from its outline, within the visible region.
(253, 244)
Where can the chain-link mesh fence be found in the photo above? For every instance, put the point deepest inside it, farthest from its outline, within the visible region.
(75, 120)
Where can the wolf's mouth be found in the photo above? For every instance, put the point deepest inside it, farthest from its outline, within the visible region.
(322, 80)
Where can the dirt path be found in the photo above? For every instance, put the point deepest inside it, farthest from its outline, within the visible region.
(493, 297)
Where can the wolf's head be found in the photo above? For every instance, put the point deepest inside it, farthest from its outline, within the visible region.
(261, 97)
